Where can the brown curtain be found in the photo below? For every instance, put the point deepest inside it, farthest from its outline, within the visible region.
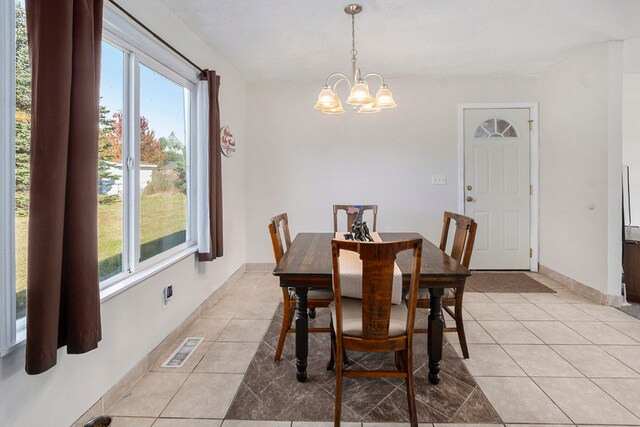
(215, 168)
(63, 298)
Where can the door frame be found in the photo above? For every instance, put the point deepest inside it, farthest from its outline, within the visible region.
(533, 158)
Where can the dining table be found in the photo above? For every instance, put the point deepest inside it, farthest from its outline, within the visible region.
(308, 264)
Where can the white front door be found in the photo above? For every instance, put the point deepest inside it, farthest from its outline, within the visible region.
(497, 186)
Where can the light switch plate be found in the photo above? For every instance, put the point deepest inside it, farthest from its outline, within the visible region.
(438, 179)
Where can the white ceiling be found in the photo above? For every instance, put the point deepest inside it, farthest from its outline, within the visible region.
(309, 39)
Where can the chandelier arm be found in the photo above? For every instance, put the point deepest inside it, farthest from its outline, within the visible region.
(341, 79)
(342, 76)
(376, 75)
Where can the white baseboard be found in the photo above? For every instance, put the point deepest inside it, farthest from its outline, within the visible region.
(581, 288)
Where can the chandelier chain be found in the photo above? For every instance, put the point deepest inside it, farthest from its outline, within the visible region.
(354, 52)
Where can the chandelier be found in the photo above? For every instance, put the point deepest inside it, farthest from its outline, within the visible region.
(359, 97)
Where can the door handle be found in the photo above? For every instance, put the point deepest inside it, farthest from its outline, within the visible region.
(469, 199)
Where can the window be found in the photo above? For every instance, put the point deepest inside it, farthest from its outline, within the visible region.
(15, 128)
(496, 128)
(164, 128)
(144, 178)
(21, 147)
(110, 170)
(146, 208)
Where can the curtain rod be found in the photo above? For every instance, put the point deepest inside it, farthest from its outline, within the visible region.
(160, 39)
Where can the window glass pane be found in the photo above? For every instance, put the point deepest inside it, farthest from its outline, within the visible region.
(496, 128)
(481, 132)
(23, 135)
(163, 169)
(110, 172)
(502, 125)
(510, 132)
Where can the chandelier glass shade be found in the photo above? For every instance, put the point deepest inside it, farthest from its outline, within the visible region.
(327, 99)
(369, 108)
(359, 95)
(335, 110)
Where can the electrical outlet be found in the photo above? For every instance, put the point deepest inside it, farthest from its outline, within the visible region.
(438, 179)
(167, 294)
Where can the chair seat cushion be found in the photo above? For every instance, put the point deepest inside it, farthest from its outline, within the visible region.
(320, 294)
(424, 293)
(314, 294)
(352, 318)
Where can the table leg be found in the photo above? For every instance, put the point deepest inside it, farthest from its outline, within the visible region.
(435, 334)
(302, 334)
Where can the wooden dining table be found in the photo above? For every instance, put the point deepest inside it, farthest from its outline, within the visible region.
(308, 264)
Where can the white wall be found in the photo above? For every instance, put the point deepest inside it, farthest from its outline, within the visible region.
(580, 158)
(302, 162)
(631, 123)
(133, 322)
(292, 158)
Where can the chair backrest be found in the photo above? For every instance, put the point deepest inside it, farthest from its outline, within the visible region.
(378, 261)
(352, 213)
(276, 223)
(463, 238)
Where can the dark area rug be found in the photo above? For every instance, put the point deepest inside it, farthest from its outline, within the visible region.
(487, 281)
(270, 391)
(631, 310)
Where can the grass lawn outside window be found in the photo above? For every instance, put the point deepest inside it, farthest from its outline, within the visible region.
(167, 216)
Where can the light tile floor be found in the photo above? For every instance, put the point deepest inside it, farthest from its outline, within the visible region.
(541, 359)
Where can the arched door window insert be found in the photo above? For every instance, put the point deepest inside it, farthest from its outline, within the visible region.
(496, 128)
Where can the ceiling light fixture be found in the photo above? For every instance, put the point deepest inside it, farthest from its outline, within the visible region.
(359, 96)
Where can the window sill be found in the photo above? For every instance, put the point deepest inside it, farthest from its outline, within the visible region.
(137, 277)
(21, 341)
(113, 290)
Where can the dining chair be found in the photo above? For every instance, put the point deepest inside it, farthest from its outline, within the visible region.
(352, 213)
(461, 251)
(373, 324)
(279, 229)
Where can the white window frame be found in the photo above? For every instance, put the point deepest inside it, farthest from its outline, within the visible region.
(9, 325)
(133, 58)
(146, 61)
(139, 48)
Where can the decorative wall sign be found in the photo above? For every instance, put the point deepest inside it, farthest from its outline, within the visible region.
(227, 142)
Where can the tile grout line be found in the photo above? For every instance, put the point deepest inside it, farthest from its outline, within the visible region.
(172, 397)
(622, 332)
(551, 348)
(477, 387)
(236, 393)
(576, 368)
(572, 305)
(612, 397)
(594, 343)
(561, 322)
(618, 359)
(551, 400)
(532, 380)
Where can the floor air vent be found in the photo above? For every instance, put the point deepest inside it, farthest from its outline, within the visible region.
(182, 353)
